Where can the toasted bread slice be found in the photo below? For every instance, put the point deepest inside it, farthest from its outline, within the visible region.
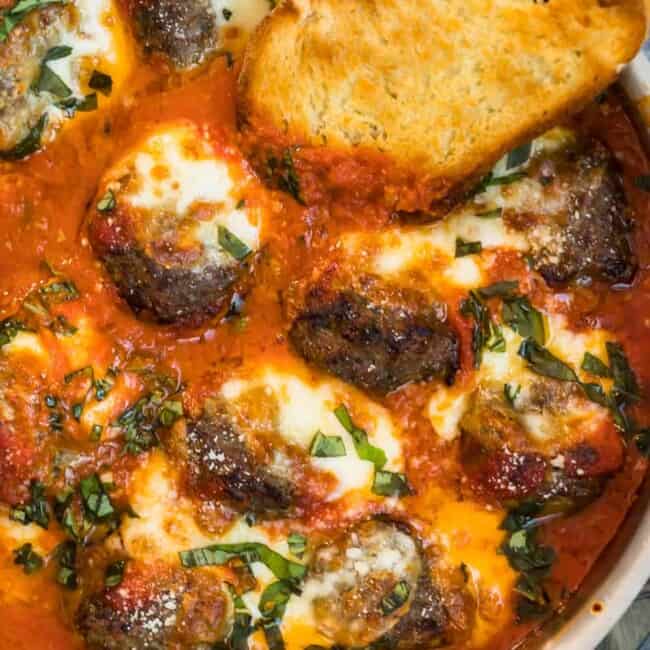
(442, 88)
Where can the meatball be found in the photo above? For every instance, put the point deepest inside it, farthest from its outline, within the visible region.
(373, 584)
(223, 463)
(186, 32)
(582, 230)
(174, 225)
(155, 607)
(20, 61)
(375, 337)
(504, 459)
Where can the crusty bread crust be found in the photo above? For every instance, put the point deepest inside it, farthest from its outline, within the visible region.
(440, 88)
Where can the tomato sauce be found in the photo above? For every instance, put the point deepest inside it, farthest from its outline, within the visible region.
(43, 203)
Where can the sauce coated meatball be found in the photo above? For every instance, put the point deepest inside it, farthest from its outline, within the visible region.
(155, 607)
(375, 337)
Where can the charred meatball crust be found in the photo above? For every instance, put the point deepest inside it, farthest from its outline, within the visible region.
(169, 294)
(376, 338)
(221, 464)
(186, 32)
(155, 607)
(588, 237)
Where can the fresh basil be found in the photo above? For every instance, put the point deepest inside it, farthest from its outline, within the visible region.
(365, 450)
(288, 179)
(36, 510)
(626, 387)
(114, 573)
(273, 635)
(464, 248)
(47, 80)
(248, 552)
(226, 13)
(274, 599)
(503, 289)
(491, 180)
(26, 557)
(232, 244)
(15, 15)
(397, 597)
(523, 318)
(107, 203)
(29, 144)
(66, 555)
(519, 156)
(297, 544)
(323, 446)
(97, 503)
(484, 331)
(101, 82)
(390, 484)
(544, 363)
(170, 411)
(594, 366)
(9, 329)
(59, 291)
(242, 625)
(511, 393)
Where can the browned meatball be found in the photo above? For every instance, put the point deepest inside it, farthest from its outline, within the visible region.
(378, 338)
(585, 234)
(155, 607)
(373, 585)
(222, 463)
(186, 32)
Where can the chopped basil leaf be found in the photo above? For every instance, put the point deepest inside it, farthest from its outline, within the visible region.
(365, 450)
(643, 182)
(390, 484)
(504, 289)
(96, 432)
(596, 394)
(273, 636)
(519, 156)
(59, 291)
(50, 82)
(227, 14)
(297, 544)
(66, 554)
(523, 318)
(107, 202)
(34, 511)
(288, 177)
(114, 573)
(11, 17)
(626, 387)
(86, 371)
(232, 244)
(522, 516)
(51, 401)
(464, 248)
(511, 393)
(9, 329)
(594, 366)
(101, 82)
(55, 420)
(87, 104)
(248, 552)
(490, 214)
(274, 599)
(29, 144)
(544, 363)
(490, 180)
(57, 52)
(61, 326)
(96, 501)
(26, 557)
(323, 446)
(484, 331)
(104, 386)
(396, 598)
(170, 412)
(77, 410)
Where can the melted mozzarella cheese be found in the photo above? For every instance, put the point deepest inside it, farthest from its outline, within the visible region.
(303, 408)
(237, 19)
(178, 181)
(448, 404)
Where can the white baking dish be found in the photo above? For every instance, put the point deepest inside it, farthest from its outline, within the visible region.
(624, 568)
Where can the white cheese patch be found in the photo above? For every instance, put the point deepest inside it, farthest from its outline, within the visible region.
(447, 404)
(178, 177)
(302, 409)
